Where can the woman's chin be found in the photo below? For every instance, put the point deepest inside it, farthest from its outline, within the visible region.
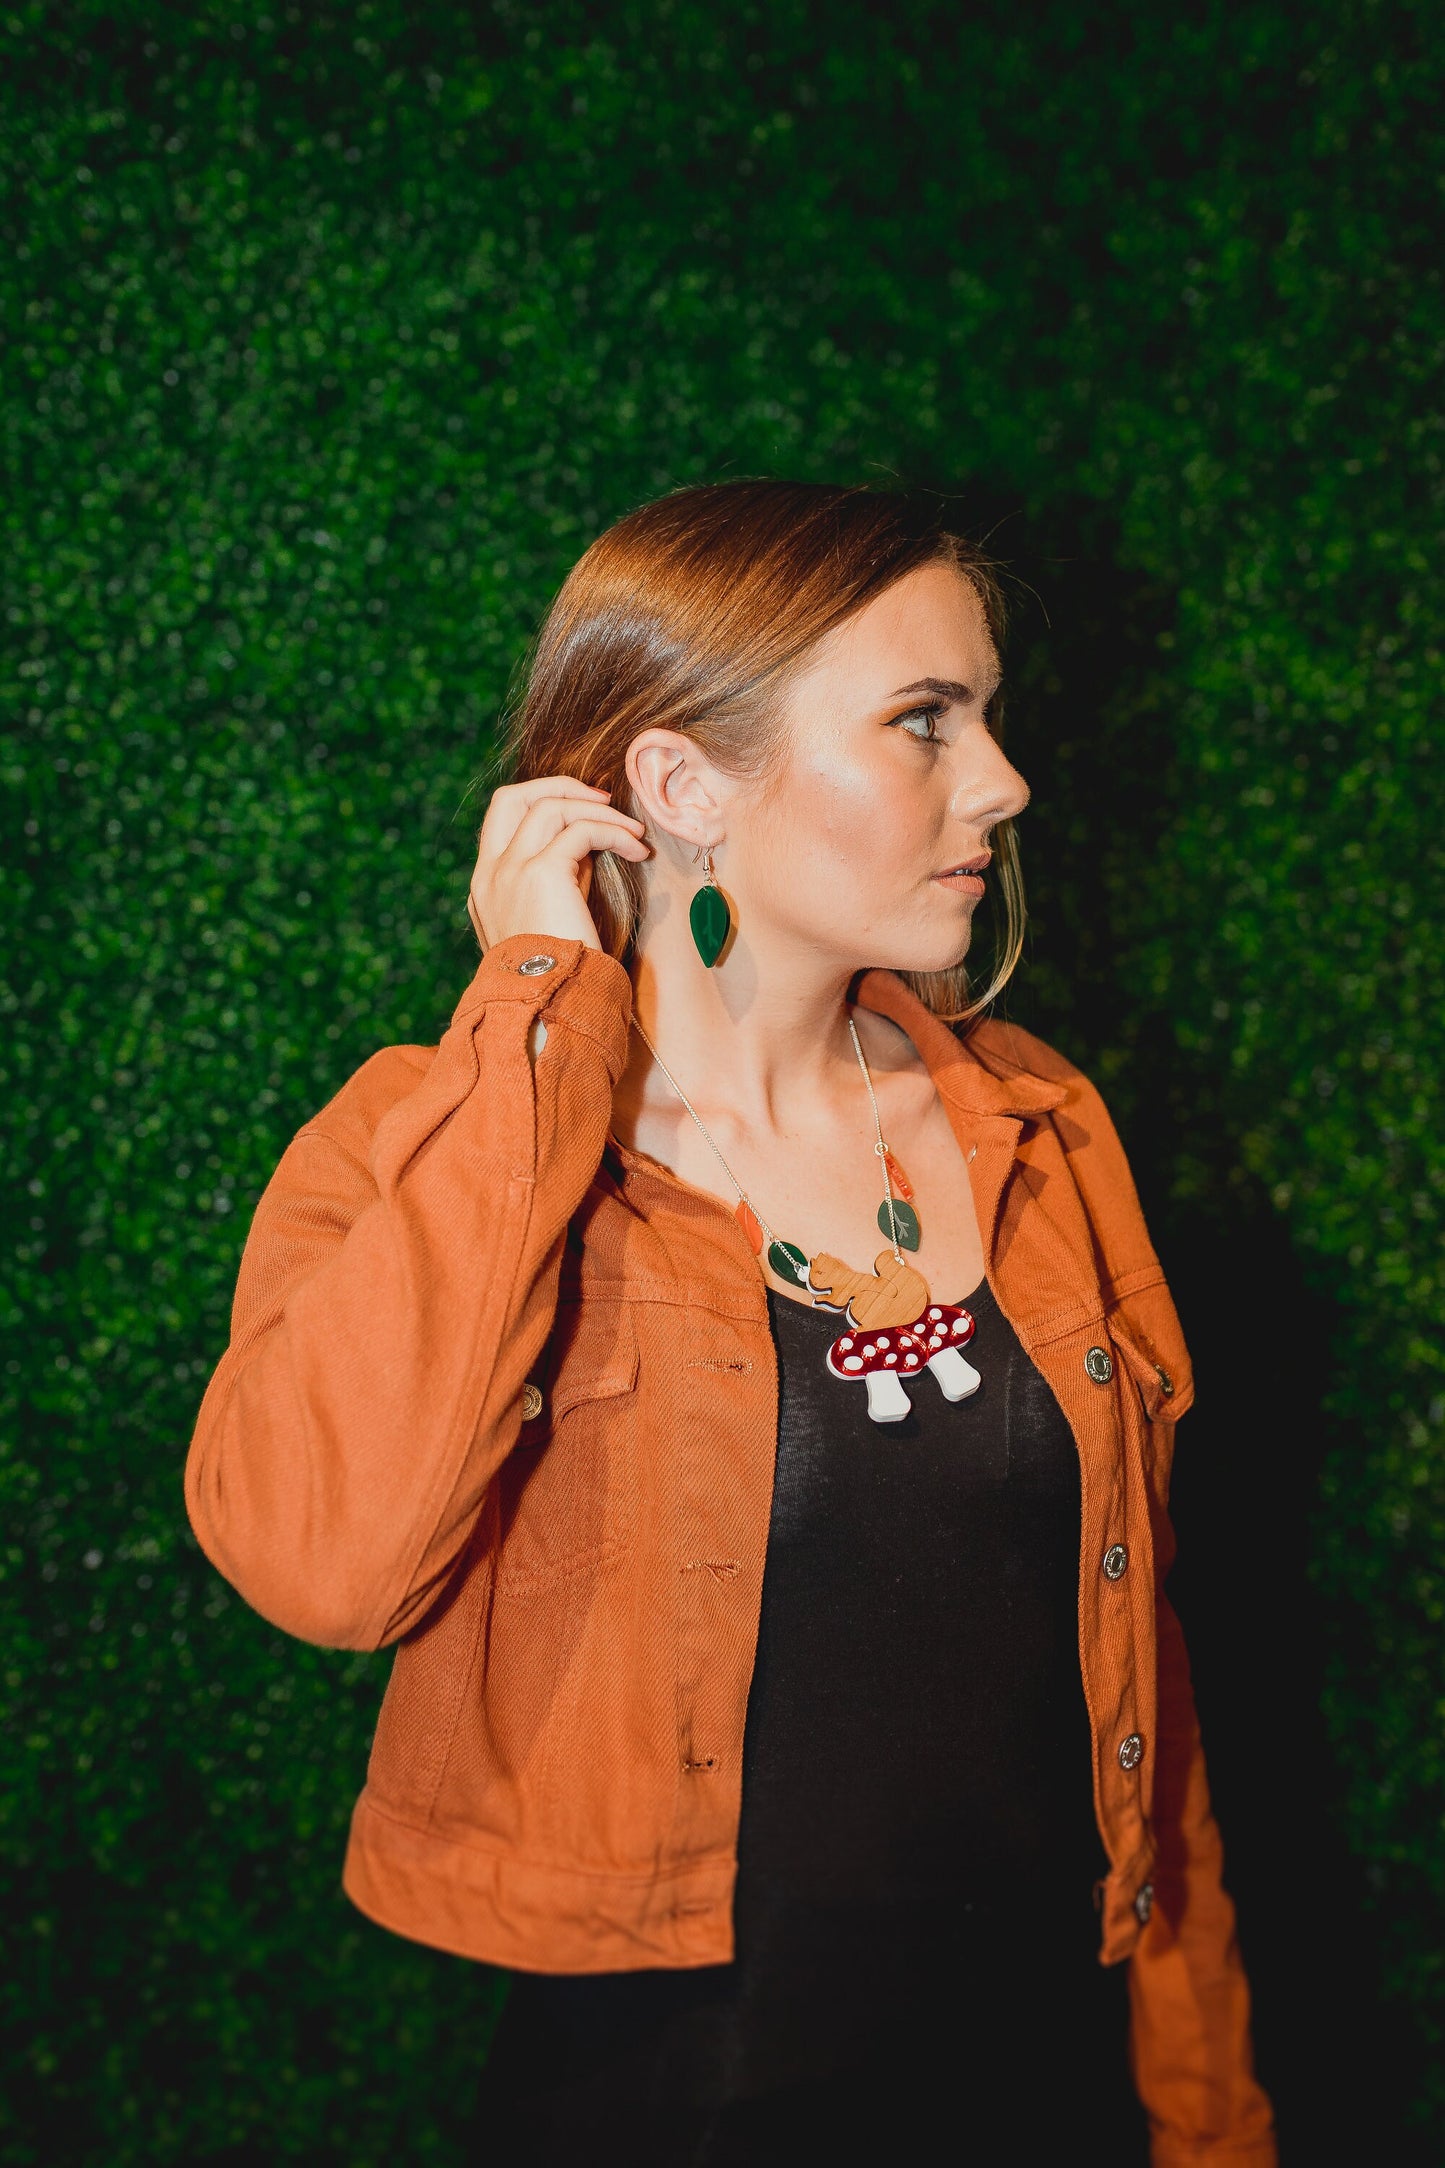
(923, 958)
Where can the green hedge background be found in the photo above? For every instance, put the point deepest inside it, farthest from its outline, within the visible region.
(332, 334)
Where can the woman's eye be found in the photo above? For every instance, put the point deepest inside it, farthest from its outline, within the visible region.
(920, 723)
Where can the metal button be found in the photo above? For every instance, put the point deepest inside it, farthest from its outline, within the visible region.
(531, 1403)
(1116, 1561)
(1144, 1903)
(1131, 1751)
(1166, 1383)
(1100, 1365)
(532, 967)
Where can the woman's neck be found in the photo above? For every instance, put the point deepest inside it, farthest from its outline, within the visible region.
(760, 1033)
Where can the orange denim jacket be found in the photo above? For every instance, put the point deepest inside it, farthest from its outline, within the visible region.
(503, 1394)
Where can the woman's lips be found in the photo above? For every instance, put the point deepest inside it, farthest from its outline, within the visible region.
(963, 882)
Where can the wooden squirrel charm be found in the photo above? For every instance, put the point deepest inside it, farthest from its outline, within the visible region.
(891, 1294)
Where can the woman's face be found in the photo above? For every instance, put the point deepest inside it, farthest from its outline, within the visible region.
(872, 841)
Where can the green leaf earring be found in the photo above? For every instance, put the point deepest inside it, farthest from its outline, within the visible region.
(708, 914)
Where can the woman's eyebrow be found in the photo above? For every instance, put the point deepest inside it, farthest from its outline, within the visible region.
(945, 688)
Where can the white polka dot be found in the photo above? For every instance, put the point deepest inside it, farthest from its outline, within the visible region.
(852, 1362)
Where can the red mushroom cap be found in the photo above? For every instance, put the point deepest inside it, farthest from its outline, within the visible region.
(942, 1324)
(855, 1354)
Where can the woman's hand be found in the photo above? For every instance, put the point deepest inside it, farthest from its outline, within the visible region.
(534, 861)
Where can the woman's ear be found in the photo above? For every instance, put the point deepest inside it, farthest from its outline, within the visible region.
(676, 787)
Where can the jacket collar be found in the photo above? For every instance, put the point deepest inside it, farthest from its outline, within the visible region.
(1000, 1085)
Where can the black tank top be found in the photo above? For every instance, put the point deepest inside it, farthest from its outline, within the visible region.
(917, 1849)
(917, 1731)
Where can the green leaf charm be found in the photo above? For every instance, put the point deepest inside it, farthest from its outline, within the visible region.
(711, 922)
(905, 1231)
(788, 1261)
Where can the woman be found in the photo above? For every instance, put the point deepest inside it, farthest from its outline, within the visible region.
(734, 1374)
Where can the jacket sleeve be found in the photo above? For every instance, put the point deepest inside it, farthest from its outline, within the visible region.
(1189, 1997)
(398, 1283)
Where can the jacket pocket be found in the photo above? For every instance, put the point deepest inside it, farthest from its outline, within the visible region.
(566, 1493)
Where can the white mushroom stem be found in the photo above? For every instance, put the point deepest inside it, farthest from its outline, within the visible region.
(887, 1401)
(956, 1378)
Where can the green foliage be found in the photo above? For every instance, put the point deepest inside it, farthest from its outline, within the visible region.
(332, 334)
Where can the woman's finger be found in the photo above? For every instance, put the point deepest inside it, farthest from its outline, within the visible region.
(547, 817)
(511, 801)
(579, 837)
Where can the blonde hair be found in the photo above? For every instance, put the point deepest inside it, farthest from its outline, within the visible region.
(688, 615)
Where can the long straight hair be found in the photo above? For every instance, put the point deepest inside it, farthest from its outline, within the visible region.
(689, 615)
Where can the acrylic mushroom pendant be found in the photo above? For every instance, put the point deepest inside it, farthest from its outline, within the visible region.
(882, 1360)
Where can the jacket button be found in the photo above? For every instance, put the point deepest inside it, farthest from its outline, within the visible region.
(1100, 1365)
(1166, 1383)
(1144, 1903)
(1116, 1561)
(531, 1403)
(1131, 1751)
(532, 967)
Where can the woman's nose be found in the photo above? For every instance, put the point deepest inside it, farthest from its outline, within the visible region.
(992, 790)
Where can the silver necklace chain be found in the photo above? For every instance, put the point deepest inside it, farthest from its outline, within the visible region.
(879, 1147)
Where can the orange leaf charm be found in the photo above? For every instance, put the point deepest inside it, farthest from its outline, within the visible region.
(747, 1219)
(902, 1187)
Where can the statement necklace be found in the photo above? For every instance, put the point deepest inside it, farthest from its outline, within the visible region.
(897, 1331)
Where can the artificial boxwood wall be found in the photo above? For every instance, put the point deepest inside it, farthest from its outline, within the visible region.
(332, 335)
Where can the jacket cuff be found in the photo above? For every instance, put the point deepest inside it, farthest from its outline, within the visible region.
(1261, 2152)
(564, 982)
